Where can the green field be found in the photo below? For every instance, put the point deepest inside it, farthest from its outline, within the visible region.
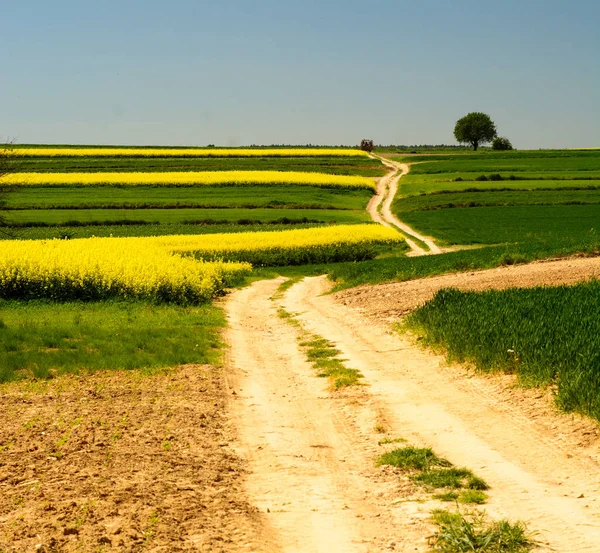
(74, 217)
(547, 336)
(82, 335)
(502, 197)
(497, 225)
(282, 197)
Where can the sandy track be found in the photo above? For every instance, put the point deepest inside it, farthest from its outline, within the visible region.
(311, 451)
(538, 471)
(386, 192)
(392, 300)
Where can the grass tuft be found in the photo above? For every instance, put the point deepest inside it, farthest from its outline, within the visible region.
(458, 533)
(417, 458)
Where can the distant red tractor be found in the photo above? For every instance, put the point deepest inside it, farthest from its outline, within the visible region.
(366, 145)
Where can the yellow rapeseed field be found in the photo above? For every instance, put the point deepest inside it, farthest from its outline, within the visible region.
(157, 268)
(287, 247)
(186, 152)
(188, 178)
(325, 237)
(98, 268)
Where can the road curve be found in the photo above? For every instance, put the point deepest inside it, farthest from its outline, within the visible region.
(386, 192)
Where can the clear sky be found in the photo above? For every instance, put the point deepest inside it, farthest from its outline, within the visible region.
(236, 72)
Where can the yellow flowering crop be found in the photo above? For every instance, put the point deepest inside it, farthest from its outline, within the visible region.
(186, 152)
(299, 238)
(99, 268)
(157, 268)
(188, 178)
(287, 247)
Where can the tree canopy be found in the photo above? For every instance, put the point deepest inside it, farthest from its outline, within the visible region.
(475, 128)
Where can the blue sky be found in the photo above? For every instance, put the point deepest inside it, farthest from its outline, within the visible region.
(275, 71)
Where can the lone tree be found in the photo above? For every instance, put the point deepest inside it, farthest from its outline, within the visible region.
(475, 128)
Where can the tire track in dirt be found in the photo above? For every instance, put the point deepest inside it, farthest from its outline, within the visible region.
(534, 474)
(387, 189)
(311, 451)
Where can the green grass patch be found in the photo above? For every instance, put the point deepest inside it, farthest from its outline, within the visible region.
(546, 335)
(321, 353)
(495, 225)
(416, 458)
(458, 533)
(43, 339)
(324, 357)
(451, 477)
(466, 497)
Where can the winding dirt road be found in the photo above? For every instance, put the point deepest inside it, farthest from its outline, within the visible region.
(380, 208)
(312, 451)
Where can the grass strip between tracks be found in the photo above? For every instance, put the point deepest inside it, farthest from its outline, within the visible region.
(320, 352)
(458, 532)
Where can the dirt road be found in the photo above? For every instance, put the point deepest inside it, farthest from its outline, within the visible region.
(387, 189)
(311, 451)
(394, 299)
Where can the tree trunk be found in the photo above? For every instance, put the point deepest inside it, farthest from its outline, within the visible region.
(475, 145)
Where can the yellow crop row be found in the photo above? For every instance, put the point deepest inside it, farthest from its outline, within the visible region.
(99, 268)
(288, 247)
(157, 268)
(186, 152)
(326, 237)
(188, 178)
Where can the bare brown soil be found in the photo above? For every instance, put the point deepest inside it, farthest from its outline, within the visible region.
(122, 461)
(392, 300)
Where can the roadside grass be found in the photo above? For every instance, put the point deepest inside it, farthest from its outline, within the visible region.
(148, 197)
(325, 357)
(336, 165)
(43, 339)
(547, 336)
(470, 532)
(467, 497)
